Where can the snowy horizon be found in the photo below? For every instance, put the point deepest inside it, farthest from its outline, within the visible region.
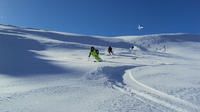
(70, 33)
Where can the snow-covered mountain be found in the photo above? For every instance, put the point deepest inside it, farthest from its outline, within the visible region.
(48, 71)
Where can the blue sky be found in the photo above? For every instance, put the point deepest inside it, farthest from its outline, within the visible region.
(104, 17)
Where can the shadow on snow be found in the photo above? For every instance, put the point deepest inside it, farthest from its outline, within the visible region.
(17, 60)
(115, 74)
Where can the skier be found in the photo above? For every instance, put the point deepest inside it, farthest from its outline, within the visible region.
(95, 53)
(110, 50)
(132, 47)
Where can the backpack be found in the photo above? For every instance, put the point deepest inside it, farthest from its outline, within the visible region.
(97, 51)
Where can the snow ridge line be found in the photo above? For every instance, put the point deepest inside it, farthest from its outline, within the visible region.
(160, 94)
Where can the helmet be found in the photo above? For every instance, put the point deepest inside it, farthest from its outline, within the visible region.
(91, 48)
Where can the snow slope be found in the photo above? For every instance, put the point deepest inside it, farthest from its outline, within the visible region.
(50, 71)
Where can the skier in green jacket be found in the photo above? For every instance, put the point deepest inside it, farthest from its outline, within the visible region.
(94, 52)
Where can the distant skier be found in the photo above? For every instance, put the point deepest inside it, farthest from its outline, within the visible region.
(110, 50)
(132, 47)
(95, 53)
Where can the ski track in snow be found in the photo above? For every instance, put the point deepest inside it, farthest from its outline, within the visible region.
(157, 97)
(115, 85)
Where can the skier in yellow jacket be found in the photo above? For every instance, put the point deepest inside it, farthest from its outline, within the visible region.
(94, 52)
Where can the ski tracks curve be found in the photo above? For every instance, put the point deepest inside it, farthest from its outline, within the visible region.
(159, 98)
